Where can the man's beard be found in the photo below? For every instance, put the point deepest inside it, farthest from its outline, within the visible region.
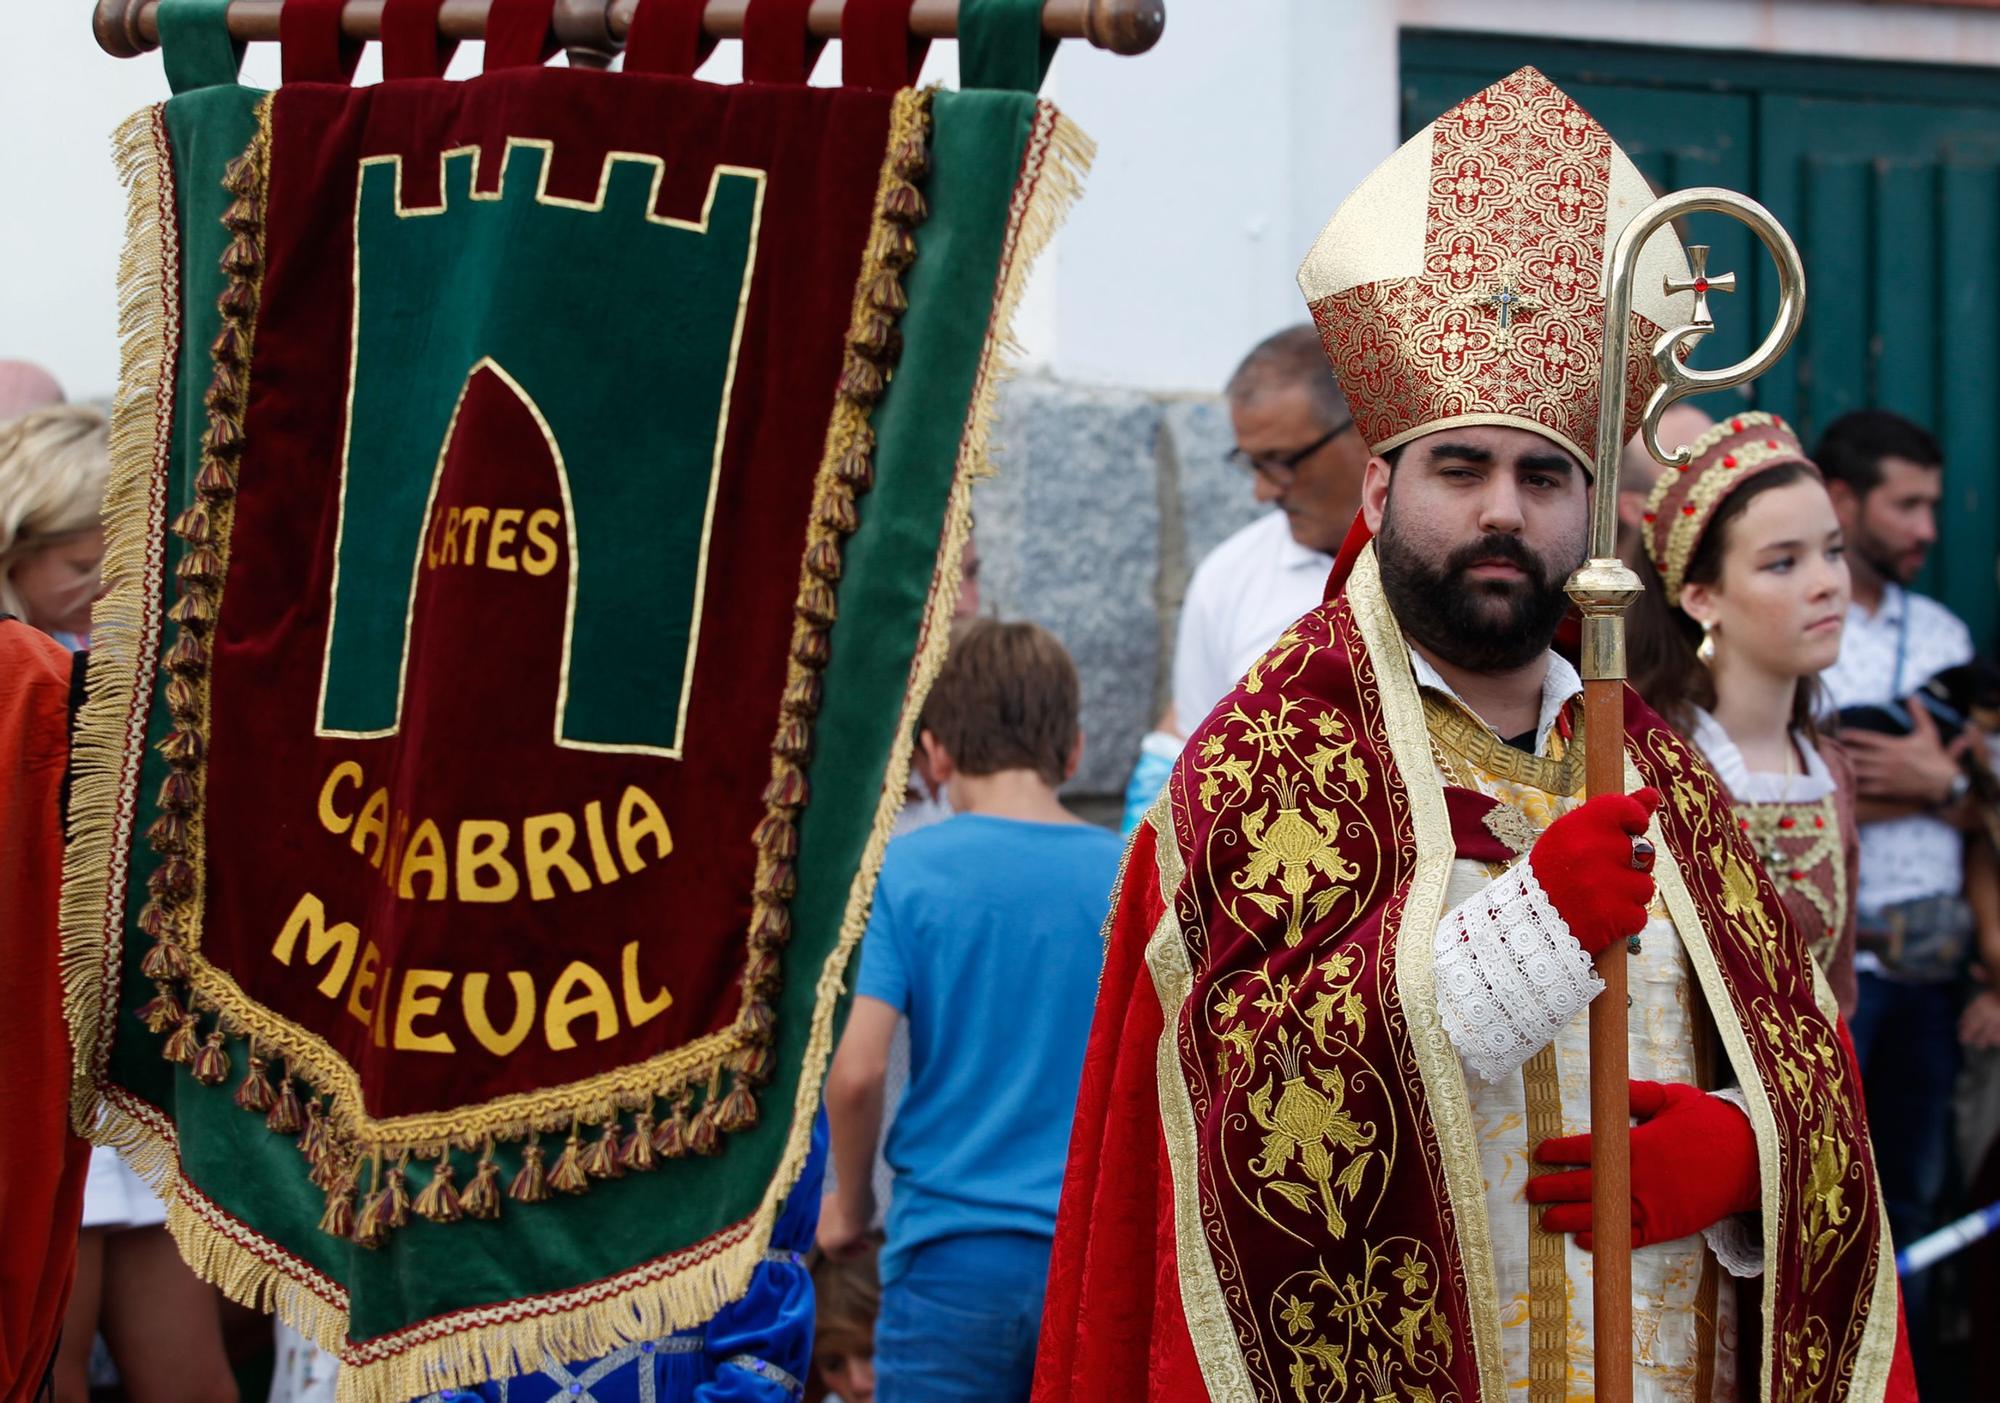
(1886, 564)
(1456, 617)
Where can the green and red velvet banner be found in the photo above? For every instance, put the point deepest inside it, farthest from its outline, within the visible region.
(537, 503)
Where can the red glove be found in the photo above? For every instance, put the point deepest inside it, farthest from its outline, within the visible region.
(1584, 863)
(1694, 1163)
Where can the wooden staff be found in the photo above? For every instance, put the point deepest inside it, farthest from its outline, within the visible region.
(127, 28)
(1602, 589)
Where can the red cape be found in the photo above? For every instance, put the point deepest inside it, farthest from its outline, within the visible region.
(43, 1168)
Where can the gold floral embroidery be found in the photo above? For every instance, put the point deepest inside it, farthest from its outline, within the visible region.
(1307, 1120)
(1365, 1332)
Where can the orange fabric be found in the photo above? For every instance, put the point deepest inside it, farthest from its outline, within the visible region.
(1115, 1231)
(42, 1165)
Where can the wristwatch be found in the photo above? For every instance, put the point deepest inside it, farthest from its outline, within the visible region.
(1961, 785)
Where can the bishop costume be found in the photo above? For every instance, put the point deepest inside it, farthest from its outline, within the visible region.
(1339, 1013)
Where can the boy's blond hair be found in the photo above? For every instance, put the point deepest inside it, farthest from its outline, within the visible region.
(1007, 699)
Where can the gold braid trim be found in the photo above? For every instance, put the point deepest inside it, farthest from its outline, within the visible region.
(106, 750)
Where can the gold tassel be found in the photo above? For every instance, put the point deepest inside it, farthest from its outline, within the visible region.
(823, 559)
(568, 1175)
(702, 1137)
(187, 655)
(182, 1046)
(802, 695)
(242, 214)
(167, 833)
(162, 1012)
(199, 565)
(912, 158)
(224, 437)
(861, 380)
(855, 469)
(255, 1095)
(816, 603)
(772, 924)
(835, 511)
(338, 1219)
(481, 1198)
(177, 791)
(439, 1202)
(164, 961)
(777, 835)
(286, 1117)
(738, 1111)
(670, 1140)
(237, 304)
(637, 1155)
(760, 973)
(759, 1019)
(211, 1064)
(182, 748)
(172, 880)
(600, 1161)
(903, 203)
(756, 1063)
(225, 386)
(531, 1185)
(871, 335)
(313, 1143)
(371, 1230)
(794, 740)
(885, 293)
(239, 177)
(242, 258)
(195, 611)
(779, 882)
(398, 1211)
(216, 480)
(810, 648)
(786, 788)
(229, 344)
(193, 525)
(894, 247)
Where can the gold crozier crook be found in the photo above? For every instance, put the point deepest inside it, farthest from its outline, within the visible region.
(1602, 588)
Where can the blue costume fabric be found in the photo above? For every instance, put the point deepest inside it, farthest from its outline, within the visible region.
(755, 1350)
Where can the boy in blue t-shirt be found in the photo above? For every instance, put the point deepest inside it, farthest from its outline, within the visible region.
(986, 935)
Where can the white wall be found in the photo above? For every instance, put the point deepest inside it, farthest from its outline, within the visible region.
(1220, 155)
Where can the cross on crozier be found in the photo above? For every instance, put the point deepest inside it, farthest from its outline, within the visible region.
(1701, 284)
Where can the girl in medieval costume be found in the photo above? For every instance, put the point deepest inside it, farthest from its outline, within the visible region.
(1746, 594)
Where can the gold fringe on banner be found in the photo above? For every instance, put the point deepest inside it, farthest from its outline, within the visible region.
(107, 748)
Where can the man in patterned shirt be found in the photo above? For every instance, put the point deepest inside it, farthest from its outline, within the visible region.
(1914, 926)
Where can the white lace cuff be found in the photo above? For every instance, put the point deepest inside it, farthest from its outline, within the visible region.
(1509, 973)
(1737, 1241)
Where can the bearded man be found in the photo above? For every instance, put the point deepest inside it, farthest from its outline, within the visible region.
(1333, 1138)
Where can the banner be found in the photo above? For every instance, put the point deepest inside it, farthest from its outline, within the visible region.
(536, 518)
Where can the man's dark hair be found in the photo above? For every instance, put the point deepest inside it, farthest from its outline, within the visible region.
(1291, 357)
(1007, 699)
(1854, 445)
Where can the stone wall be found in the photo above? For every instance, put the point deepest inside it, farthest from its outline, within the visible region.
(1102, 503)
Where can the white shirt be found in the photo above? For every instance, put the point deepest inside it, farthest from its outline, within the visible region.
(1902, 859)
(1248, 590)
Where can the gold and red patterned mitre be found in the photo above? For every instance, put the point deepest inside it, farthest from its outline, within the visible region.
(1463, 281)
(1684, 501)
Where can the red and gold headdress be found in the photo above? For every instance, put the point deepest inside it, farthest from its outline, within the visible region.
(1684, 500)
(1463, 281)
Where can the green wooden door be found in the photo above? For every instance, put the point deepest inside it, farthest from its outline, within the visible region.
(1888, 177)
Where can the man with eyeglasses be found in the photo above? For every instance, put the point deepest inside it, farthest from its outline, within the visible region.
(1295, 440)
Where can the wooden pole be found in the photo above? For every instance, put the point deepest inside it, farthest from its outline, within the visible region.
(127, 28)
(1602, 589)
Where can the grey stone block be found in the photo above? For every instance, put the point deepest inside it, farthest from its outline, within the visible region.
(1069, 536)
